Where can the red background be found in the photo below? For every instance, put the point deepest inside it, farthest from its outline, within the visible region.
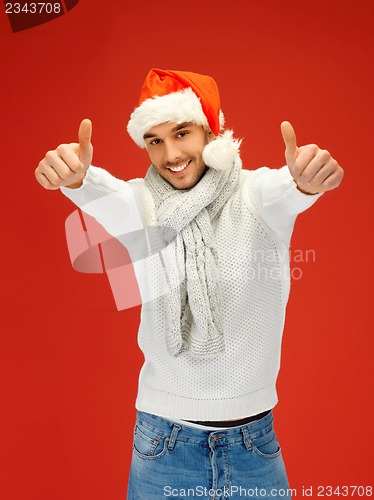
(69, 360)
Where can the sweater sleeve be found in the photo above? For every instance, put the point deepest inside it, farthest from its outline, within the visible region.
(275, 197)
(109, 200)
(123, 209)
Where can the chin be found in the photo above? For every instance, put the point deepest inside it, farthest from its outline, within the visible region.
(186, 183)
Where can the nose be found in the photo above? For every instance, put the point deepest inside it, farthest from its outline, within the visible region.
(172, 152)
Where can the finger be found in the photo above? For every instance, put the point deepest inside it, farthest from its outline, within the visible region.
(315, 185)
(51, 175)
(85, 133)
(84, 139)
(323, 173)
(319, 170)
(55, 160)
(334, 180)
(69, 154)
(303, 164)
(310, 160)
(44, 182)
(289, 138)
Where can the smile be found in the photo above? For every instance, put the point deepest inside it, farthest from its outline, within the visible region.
(179, 168)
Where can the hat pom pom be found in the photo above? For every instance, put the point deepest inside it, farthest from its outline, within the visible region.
(221, 152)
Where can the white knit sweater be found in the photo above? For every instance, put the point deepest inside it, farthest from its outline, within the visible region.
(252, 235)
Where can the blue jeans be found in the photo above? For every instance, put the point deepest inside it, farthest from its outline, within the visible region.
(176, 461)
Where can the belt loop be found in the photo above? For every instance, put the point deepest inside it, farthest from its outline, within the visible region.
(173, 436)
(247, 441)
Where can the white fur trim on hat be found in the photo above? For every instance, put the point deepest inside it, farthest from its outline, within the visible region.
(178, 107)
(221, 151)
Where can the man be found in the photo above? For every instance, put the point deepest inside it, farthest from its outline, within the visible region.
(211, 333)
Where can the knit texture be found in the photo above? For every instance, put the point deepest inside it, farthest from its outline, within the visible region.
(185, 218)
(252, 234)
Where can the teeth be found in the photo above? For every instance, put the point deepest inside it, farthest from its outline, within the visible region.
(180, 167)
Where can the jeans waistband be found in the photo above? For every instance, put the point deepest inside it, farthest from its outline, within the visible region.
(168, 429)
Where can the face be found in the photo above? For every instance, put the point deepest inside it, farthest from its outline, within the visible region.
(176, 152)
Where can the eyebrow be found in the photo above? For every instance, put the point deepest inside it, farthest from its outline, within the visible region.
(175, 129)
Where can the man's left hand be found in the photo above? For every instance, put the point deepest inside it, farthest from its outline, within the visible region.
(313, 169)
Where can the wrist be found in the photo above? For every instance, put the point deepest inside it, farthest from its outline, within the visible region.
(77, 184)
(302, 190)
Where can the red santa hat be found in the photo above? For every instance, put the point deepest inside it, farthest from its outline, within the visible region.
(183, 96)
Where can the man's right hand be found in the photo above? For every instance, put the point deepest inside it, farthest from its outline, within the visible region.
(67, 164)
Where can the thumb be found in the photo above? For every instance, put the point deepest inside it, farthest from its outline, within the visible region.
(84, 139)
(289, 138)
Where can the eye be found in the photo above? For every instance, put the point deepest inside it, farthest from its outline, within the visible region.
(182, 133)
(154, 142)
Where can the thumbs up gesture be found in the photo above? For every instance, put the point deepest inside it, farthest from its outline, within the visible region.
(67, 164)
(313, 169)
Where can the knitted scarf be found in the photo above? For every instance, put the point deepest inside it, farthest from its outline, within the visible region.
(185, 216)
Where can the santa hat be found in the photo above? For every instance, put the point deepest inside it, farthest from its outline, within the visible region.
(183, 96)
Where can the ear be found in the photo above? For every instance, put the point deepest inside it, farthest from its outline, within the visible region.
(209, 136)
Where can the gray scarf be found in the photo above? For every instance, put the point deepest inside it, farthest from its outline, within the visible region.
(185, 216)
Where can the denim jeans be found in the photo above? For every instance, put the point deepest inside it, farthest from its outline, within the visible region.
(176, 461)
